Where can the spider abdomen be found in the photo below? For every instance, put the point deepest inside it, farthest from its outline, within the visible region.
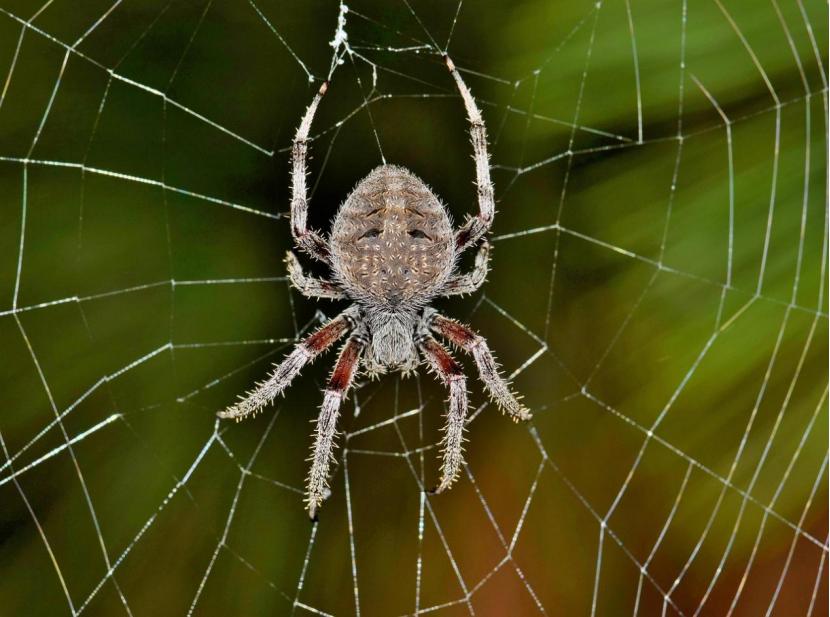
(392, 240)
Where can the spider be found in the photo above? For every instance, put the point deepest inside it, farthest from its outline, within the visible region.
(392, 249)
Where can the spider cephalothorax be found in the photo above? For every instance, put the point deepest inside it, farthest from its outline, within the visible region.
(392, 249)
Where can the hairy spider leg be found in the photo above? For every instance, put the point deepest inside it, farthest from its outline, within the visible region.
(307, 239)
(354, 319)
(311, 286)
(475, 228)
(304, 352)
(488, 369)
(460, 284)
(452, 376)
(322, 457)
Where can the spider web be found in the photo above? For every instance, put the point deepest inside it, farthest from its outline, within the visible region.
(657, 294)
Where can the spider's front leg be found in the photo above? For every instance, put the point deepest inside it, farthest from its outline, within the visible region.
(450, 373)
(310, 286)
(307, 239)
(305, 351)
(461, 284)
(475, 228)
(488, 369)
(338, 385)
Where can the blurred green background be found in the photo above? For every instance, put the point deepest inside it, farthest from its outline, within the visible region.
(658, 287)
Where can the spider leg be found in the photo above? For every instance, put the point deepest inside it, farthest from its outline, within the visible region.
(305, 351)
(450, 373)
(307, 239)
(463, 336)
(477, 226)
(310, 286)
(338, 385)
(460, 284)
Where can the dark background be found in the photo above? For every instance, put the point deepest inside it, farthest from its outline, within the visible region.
(675, 356)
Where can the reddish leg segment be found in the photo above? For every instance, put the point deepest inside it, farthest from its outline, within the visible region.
(305, 351)
(450, 373)
(488, 369)
(322, 457)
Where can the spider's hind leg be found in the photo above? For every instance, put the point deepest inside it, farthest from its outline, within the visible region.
(304, 352)
(324, 433)
(450, 373)
(465, 338)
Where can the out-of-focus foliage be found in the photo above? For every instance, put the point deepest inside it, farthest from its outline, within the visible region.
(661, 293)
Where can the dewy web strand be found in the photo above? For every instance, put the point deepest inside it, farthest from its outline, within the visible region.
(423, 41)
